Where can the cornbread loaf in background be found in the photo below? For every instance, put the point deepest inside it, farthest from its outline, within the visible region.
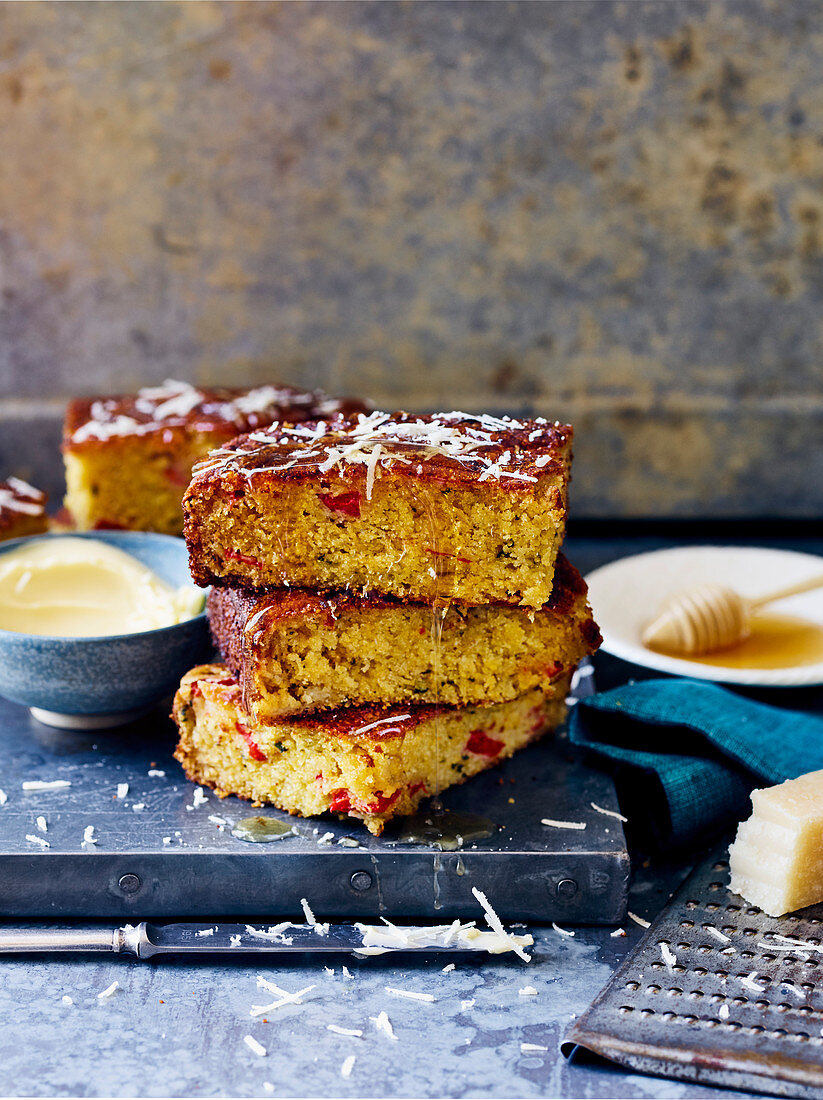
(607, 213)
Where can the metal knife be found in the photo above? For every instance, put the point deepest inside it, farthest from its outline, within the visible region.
(146, 940)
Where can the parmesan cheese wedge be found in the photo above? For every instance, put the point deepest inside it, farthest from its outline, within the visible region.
(776, 860)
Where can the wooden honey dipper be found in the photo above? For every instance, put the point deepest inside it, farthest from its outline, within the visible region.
(711, 617)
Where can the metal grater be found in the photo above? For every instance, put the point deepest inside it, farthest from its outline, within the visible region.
(745, 1014)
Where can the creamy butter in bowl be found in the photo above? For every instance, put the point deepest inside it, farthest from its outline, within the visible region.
(96, 627)
(79, 588)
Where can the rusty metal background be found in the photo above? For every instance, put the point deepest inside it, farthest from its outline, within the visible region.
(714, 994)
(604, 212)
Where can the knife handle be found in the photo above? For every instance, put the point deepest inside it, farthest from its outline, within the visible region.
(18, 941)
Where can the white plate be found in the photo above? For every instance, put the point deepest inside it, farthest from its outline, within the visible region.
(626, 594)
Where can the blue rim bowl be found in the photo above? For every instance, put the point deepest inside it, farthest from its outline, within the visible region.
(114, 674)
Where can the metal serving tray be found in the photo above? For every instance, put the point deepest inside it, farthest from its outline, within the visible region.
(528, 871)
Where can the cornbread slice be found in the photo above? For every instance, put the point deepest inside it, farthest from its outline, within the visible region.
(470, 508)
(129, 458)
(296, 651)
(369, 763)
(22, 509)
(776, 860)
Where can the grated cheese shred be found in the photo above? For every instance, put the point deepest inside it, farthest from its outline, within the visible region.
(254, 1046)
(383, 1024)
(507, 941)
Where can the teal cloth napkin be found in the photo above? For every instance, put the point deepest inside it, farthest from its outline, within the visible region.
(687, 753)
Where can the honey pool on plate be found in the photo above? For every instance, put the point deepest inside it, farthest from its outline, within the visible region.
(775, 641)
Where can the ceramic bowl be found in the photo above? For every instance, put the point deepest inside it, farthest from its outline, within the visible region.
(95, 682)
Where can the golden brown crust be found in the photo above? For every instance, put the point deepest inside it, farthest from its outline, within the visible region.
(175, 409)
(442, 449)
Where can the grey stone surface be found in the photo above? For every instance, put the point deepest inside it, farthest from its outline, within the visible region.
(607, 212)
(176, 1029)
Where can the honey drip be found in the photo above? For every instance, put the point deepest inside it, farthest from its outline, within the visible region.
(446, 831)
(261, 830)
(425, 499)
(775, 641)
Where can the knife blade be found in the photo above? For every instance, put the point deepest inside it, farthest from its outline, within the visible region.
(146, 941)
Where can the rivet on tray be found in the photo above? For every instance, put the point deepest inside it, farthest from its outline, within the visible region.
(361, 881)
(129, 883)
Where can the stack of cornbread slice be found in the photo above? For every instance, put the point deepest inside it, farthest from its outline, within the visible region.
(390, 604)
